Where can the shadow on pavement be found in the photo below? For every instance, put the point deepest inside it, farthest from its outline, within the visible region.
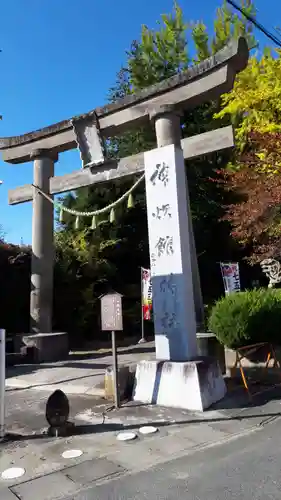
(260, 394)
(21, 370)
(100, 428)
(74, 360)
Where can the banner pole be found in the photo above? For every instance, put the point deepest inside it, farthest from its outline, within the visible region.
(142, 340)
(223, 279)
(2, 382)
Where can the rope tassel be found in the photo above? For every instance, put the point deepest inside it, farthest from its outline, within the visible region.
(131, 203)
(112, 216)
(94, 222)
(61, 215)
(77, 222)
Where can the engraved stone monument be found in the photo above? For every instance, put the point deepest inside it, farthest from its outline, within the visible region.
(171, 275)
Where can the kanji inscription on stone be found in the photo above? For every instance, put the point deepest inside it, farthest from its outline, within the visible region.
(111, 312)
(169, 245)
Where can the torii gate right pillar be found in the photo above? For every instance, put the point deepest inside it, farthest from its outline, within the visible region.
(168, 131)
(178, 377)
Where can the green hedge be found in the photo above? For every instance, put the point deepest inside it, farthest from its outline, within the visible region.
(245, 318)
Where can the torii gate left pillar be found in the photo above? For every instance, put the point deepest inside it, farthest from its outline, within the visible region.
(41, 294)
(47, 344)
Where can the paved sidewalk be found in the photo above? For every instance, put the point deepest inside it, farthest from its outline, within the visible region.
(79, 374)
(49, 476)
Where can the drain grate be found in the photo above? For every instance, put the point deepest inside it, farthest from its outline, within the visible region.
(50, 487)
(91, 470)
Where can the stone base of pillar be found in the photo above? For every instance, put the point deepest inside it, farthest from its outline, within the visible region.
(191, 385)
(48, 346)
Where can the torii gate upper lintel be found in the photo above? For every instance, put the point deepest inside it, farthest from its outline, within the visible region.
(216, 75)
(162, 102)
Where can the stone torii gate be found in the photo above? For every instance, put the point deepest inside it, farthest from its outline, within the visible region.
(163, 104)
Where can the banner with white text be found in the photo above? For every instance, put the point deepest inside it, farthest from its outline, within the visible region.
(146, 293)
(231, 277)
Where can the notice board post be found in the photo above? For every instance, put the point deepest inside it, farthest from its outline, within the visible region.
(112, 320)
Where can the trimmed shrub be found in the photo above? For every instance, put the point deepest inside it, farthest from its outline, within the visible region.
(245, 318)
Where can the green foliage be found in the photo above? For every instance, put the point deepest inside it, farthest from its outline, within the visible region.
(15, 290)
(201, 40)
(159, 54)
(81, 271)
(245, 318)
(228, 24)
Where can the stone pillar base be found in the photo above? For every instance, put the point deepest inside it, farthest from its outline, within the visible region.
(48, 346)
(191, 385)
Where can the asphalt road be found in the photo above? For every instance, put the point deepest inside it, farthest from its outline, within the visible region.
(247, 468)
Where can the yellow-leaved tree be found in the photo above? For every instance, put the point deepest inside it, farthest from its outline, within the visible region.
(254, 104)
(254, 107)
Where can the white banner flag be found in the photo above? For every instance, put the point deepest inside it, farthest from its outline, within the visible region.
(231, 277)
(146, 293)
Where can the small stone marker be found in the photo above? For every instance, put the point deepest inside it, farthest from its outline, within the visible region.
(13, 473)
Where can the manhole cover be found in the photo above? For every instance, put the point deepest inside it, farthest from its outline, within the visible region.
(13, 473)
(126, 436)
(72, 453)
(148, 429)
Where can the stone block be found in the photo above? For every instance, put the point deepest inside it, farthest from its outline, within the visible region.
(209, 346)
(48, 347)
(259, 362)
(254, 366)
(125, 382)
(191, 385)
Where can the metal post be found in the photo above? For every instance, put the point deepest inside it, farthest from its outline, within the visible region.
(115, 370)
(2, 381)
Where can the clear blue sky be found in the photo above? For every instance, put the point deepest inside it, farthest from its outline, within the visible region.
(59, 59)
